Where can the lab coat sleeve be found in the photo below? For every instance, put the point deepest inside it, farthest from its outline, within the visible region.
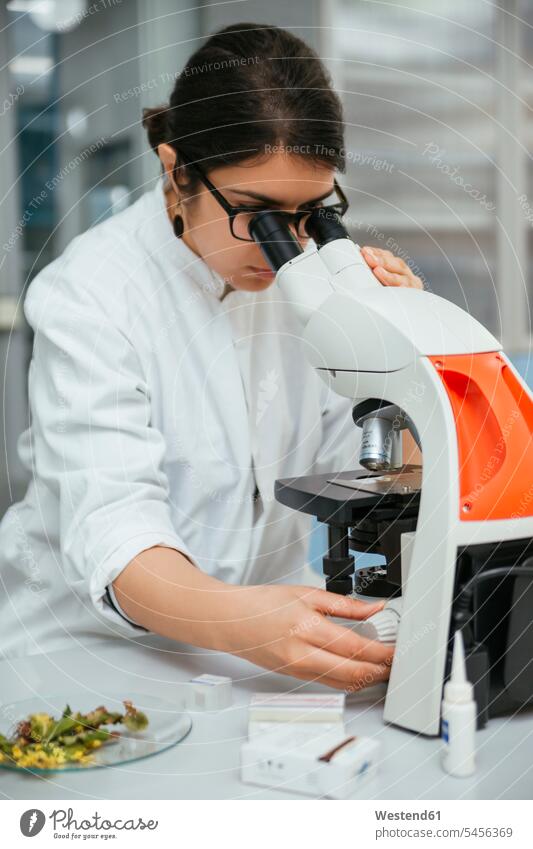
(341, 439)
(94, 445)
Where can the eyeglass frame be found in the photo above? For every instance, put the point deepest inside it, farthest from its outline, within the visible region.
(293, 218)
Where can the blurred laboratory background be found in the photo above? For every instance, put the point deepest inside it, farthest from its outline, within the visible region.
(438, 98)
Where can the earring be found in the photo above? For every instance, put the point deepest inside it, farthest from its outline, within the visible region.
(177, 224)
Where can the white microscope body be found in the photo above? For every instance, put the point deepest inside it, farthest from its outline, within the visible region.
(430, 358)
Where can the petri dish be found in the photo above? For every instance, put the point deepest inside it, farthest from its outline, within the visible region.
(167, 726)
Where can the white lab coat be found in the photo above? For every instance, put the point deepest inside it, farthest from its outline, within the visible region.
(156, 410)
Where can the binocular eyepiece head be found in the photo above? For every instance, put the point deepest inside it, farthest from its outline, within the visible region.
(279, 245)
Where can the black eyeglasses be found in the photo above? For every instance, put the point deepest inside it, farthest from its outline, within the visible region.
(241, 216)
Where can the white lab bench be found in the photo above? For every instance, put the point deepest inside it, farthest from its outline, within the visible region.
(206, 764)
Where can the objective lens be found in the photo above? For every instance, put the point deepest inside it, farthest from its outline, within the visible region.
(379, 444)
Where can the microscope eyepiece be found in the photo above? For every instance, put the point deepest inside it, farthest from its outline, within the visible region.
(325, 225)
(277, 243)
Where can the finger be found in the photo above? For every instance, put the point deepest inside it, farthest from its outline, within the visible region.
(379, 257)
(347, 643)
(394, 263)
(326, 681)
(339, 605)
(318, 663)
(384, 258)
(363, 675)
(409, 279)
(373, 256)
(346, 688)
(318, 679)
(390, 278)
(352, 687)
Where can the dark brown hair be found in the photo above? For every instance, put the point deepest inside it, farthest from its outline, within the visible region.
(249, 88)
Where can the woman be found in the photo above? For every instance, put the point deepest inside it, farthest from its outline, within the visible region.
(168, 390)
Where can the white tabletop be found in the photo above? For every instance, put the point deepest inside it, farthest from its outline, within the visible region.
(206, 764)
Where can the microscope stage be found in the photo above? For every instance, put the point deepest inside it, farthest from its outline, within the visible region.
(345, 496)
(397, 482)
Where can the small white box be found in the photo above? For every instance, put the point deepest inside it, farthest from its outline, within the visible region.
(208, 692)
(257, 729)
(333, 763)
(296, 707)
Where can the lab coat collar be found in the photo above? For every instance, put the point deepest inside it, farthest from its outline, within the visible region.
(210, 281)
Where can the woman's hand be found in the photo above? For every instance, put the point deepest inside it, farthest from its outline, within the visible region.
(286, 629)
(281, 627)
(390, 270)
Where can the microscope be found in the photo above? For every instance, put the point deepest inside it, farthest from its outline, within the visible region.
(456, 532)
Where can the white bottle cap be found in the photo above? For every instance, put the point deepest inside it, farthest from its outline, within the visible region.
(458, 689)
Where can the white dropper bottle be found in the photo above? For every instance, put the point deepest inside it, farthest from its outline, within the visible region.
(459, 716)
